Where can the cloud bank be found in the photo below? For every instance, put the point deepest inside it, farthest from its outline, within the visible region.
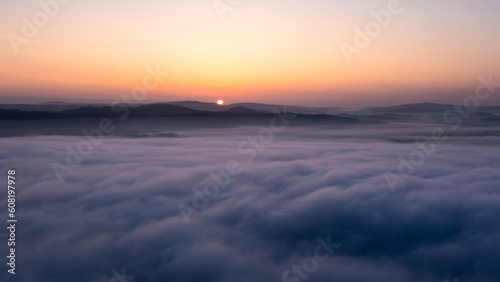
(119, 208)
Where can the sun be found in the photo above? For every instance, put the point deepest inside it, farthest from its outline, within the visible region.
(220, 102)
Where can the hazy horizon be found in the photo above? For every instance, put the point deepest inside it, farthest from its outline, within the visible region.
(280, 52)
(34, 101)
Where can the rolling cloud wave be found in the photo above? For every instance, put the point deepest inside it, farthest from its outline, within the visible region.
(120, 208)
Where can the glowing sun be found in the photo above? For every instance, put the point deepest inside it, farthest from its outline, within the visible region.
(220, 102)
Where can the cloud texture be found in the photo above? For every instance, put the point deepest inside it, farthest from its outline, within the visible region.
(119, 208)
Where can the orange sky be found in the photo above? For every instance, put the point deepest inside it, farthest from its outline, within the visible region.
(282, 52)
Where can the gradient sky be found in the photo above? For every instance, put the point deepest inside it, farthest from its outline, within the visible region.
(280, 51)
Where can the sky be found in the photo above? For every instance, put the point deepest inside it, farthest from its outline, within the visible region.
(280, 51)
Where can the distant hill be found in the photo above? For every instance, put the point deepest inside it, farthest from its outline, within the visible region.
(242, 109)
(45, 107)
(409, 113)
(91, 111)
(493, 119)
(423, 108)
(54, 103)
(152, 110)
(159, 110)
(163, 110)
(212, 107)
(200, 106)
(295, 109)
(20, 114)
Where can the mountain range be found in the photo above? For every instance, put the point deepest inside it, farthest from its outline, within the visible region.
(422, 112)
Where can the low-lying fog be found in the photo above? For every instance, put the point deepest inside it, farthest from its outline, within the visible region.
(142, 198)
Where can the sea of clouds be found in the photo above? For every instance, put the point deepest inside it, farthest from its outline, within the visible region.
(120, 208)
